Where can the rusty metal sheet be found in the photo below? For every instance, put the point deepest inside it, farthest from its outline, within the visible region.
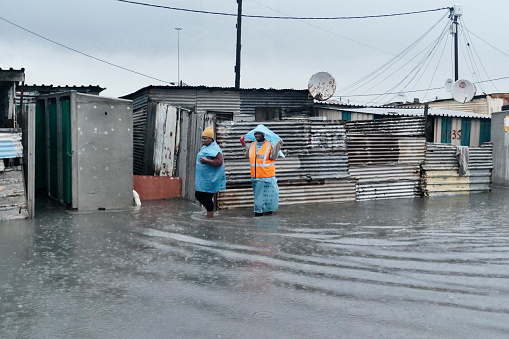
(385, 156)
(389, 181)
(315, 154)
(340, 190)
(369, 149)
(404, 126)
(166, 139)
(387, 190)
(440, 170)
(12, 194)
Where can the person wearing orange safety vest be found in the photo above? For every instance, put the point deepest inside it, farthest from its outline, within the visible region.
(262, 155)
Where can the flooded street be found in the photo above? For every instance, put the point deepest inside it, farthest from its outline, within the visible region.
(420, 268)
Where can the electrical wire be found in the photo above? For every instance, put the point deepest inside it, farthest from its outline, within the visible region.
(85, 54)
(284, 17)
(385, 67)
(417, 67)
(438, 63)
(475, 51)
(425, 61)
(487, 43)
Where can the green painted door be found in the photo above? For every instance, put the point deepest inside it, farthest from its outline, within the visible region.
(53, 149)
(66, 151)
(446, 130)
(485, 132)
(40, 148)
(465, 131)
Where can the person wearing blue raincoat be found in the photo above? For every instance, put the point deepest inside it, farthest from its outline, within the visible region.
(210, 174)
(262, 153)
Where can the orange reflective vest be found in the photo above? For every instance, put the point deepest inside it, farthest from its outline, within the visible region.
(261, 165)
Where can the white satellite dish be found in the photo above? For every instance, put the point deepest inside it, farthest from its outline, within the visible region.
(463, 91)
(322, 86)
(448, 85)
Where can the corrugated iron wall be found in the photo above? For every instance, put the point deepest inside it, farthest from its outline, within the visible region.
(12, 187)
(315, 168)
(294, 103)
(440, 171)
(139, 130)
(10, 145)
(385, 156)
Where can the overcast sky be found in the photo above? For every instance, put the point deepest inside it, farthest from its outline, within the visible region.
(276, 53)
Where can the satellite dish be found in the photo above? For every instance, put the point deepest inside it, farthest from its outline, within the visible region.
(321, 86)
(463, 91)
(448, 85)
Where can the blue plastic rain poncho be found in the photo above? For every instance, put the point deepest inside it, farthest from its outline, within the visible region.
(208, 178)
(269, 135)
(265, 190)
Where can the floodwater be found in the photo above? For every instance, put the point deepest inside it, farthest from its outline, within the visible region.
(403, 268)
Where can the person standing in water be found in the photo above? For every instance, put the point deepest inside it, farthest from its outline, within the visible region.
(262, 154)
(210, 174)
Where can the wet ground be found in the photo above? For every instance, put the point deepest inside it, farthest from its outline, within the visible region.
(403, 268)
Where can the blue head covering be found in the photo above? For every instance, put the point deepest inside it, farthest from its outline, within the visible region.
(269, 135)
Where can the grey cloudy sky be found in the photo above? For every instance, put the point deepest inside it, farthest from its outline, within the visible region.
(275, 53)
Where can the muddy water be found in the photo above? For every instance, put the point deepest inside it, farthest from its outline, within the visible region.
(420, 268)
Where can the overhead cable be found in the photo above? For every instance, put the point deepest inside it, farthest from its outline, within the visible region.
(87, 55)
(471, 44)
(385, 67)
(283, 17)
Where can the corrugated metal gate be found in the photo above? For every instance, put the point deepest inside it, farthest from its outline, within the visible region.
(385, 156)
(315, 168)
(440, 171)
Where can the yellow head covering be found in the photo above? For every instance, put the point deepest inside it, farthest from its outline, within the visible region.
(208, 132)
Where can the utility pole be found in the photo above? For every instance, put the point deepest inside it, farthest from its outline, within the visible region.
(239, 25)
(178, 54)
(456, 12)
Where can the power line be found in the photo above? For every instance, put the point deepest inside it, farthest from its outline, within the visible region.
(283, 17)
(385, 67)
(87, 55)
(487, 43)
(387, 93)
(414, 91)
(478, 57)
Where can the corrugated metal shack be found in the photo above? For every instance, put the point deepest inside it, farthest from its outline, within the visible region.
(483, 104)
(13, 199)
(314, 170)
(385, 156)
(12, 187)
(440, 170)
(447, 126)
(190, 110)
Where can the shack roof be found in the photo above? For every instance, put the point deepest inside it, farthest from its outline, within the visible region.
(48, 89)
(12, 75)
(206, 88)
(402, 111)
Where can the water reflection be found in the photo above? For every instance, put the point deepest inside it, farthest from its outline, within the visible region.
(433, 267)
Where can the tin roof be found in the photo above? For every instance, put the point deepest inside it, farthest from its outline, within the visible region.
(47, 89)
(403, 111)
(12, 75)
(207, 88)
